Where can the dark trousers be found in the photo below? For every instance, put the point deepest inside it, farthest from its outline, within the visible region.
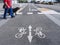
(8, 10)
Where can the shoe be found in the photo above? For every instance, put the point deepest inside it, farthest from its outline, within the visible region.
(12, 16)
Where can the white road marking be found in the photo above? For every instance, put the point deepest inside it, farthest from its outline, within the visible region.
(38, 31)
(50, 12)
(29, 13)
(39, 13)
(21, 32)
(55, 20)
(20, 13)
(30, 35)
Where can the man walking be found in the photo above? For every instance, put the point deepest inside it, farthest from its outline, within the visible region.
(8, 7)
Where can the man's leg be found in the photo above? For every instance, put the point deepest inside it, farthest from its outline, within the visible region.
(11, 12)
(5, 13)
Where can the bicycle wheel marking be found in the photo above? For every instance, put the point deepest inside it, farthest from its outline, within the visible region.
(21, 32)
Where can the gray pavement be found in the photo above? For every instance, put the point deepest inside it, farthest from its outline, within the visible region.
(10, 28)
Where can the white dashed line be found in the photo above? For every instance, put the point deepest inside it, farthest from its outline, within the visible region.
(29, 13)
(20, 13)
(39, 13)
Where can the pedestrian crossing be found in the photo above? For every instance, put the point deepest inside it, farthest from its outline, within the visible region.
(21, 13)
(38, 11)
(48, 12)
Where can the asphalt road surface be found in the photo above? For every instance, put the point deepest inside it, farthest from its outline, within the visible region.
(30, 17)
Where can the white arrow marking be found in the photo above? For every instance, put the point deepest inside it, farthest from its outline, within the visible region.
(30, 35)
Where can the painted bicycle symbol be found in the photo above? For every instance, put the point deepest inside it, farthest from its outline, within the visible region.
(38, 31)
(23, 31)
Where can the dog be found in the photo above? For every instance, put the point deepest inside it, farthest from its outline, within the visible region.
(14, 10)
